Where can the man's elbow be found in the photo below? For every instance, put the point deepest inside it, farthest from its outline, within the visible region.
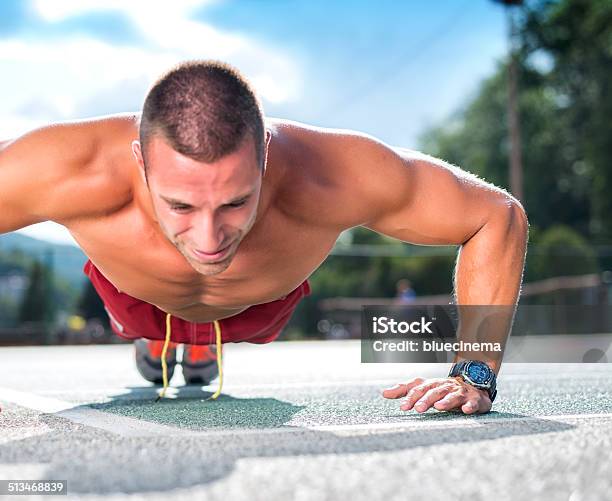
(515, 220)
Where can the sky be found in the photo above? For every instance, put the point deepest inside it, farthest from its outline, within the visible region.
(390, 69)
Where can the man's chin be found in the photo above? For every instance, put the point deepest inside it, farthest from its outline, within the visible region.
(211, 268)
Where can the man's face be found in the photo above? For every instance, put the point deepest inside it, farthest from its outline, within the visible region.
(204, 209)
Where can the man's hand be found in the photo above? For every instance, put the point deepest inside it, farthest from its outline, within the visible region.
(443, 394)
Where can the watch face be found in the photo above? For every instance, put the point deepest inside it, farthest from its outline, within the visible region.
(478, 372)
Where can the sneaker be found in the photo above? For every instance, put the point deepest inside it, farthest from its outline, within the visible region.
(199, 364)
(148, 359)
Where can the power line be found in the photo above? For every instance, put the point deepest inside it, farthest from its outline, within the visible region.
(411, 54)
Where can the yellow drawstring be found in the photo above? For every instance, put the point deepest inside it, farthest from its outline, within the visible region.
(165, 365)
(163, 360)
(219, 360)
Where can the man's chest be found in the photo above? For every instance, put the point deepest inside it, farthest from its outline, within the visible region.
(274, 259)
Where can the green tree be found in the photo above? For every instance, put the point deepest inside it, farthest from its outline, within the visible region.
(37, 305)
(556, 187)
(577, 36)
(90, 305)
(562, 251)
(565, 103)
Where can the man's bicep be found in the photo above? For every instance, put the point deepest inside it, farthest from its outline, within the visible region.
(431, 202)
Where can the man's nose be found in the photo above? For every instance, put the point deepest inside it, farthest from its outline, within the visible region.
(208, 235)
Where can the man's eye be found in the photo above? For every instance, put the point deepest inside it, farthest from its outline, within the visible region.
(237, 204)
(180, 208)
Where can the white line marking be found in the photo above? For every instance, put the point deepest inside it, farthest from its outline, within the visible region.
(32, 401)
(131, 427)
(414, 424)
(78, 413)
(459, 421)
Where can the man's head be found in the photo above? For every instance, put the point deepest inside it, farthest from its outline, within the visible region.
(202, 153)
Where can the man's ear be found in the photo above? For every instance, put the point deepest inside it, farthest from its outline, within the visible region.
(137, 152)
(267, 147)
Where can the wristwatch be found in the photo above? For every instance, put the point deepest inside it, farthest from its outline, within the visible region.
(478, 374)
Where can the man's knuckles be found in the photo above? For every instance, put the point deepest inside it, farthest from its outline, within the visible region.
(437, 392)
(414, 382)
(416, 392)
(400, 390)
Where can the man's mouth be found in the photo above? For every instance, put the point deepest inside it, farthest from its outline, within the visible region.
(211, 257)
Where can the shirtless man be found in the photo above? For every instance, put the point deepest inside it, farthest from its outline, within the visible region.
(202, 220)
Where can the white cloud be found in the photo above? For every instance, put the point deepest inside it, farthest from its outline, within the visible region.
(52, 232)
(57, 10)
(170, 35)
(61, 74)
(12, 126)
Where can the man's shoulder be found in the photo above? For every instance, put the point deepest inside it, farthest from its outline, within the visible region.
(66, 171)
(101, 173)
(321, 167)
(84, 145)
(310, 149)
(326, 151)
(113, 135)
(110, 135)
(308, 136)
(295, 167)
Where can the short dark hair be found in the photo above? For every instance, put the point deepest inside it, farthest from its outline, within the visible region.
(204, 109)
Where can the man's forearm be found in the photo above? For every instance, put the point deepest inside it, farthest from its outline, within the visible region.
(488, 273)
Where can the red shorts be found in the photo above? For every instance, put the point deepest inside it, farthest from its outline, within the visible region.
(132, 318)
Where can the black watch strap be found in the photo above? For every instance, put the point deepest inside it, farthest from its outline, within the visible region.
(492, 394)
(456, 371)
(457, 368)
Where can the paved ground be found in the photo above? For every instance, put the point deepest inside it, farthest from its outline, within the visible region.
(299, 421)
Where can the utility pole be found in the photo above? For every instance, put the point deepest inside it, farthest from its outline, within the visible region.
(514, 127)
